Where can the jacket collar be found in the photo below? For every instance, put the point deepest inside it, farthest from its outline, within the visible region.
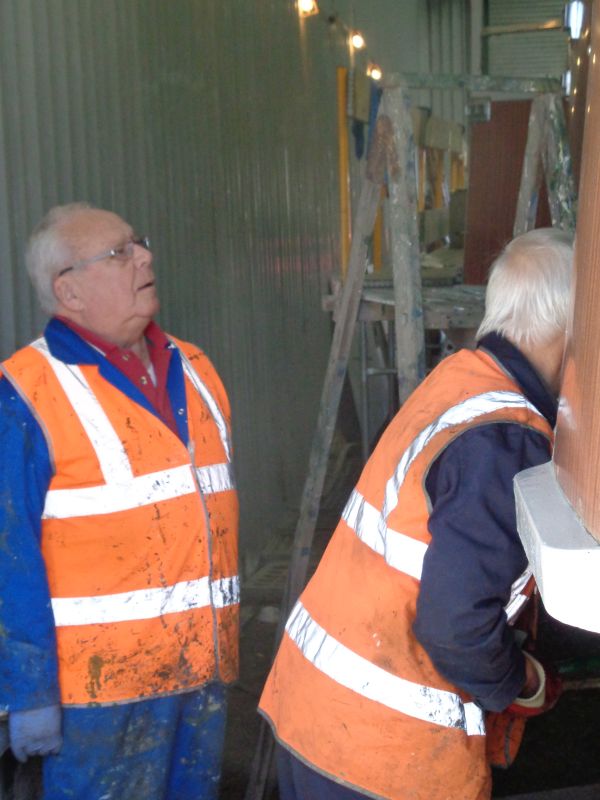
(512, 361)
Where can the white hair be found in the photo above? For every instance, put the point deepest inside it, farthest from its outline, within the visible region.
(47, 252)
(529, 288)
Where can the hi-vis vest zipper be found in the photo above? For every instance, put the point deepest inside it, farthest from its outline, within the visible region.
(139, 533)
(352, 693)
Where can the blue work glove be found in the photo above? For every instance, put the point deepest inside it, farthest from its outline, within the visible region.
(35, 732)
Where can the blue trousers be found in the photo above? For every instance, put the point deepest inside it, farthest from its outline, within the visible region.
(299, 782)
(168, 748)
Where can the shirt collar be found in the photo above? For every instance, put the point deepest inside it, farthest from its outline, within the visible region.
(154, 335)
(512, 360)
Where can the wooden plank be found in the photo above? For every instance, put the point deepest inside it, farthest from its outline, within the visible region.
(472, 83)
(523, 27)
(444, 307)
(558, 167)
(531, 172)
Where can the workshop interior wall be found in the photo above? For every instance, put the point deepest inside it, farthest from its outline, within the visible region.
(212, 128)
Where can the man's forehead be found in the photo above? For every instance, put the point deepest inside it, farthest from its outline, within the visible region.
(95, 225)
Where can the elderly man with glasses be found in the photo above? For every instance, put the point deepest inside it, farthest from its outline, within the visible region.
(119, 606)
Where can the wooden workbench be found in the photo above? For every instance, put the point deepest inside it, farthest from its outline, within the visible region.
(444, 307)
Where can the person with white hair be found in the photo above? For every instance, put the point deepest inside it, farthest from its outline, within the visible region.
(404, 671)
(119, 524)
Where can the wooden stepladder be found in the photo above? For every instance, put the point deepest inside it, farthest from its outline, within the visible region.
(547, 155)
(392, 159)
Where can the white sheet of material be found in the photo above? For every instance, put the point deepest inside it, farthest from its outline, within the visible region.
(564, 557)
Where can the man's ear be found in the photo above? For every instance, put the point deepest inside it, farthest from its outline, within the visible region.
(65, 291)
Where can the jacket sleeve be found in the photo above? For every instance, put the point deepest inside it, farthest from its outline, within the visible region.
(474, 556)
(28, 664)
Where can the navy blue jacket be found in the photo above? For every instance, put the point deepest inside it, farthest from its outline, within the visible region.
(475, 552)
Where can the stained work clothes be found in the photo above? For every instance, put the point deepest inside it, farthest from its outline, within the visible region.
(119, 536)
(169, 747)
(353, 692)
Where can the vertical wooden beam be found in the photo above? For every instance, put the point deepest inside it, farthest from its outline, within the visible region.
(577, 451)
(343, 167)
(404, 244)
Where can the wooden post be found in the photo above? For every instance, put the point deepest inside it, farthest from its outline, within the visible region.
(577, 450)
(404, 241)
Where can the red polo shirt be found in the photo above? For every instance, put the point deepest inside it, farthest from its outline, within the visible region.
(133, 368)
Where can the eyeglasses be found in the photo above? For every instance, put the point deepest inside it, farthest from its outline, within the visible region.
(122, 253)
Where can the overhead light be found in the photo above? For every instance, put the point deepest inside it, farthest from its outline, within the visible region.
(574, 13)
(374, 71)
(567, 80)
(306, 8)
(357, 40)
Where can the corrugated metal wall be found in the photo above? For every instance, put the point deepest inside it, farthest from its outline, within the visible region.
(526, 54)
(210, 126)
(448, 54)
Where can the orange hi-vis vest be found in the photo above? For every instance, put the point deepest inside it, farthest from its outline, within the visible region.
(352, 693)
(139, 532)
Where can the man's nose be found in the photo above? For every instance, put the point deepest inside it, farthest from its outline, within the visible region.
(142, 256)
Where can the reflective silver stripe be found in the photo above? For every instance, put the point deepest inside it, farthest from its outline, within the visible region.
(143, 490)
(217, 478)
(361, 676)
(121, 490)
(406, 554)
(146, 603)
(464, 412)
(210, 402)
(109, 449)
(400, 551)
(517, 598)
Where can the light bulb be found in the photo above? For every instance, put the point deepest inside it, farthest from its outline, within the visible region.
(357, 40)
(306, 8)
(375, 72)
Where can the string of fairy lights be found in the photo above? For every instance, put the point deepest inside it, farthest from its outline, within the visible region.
(354, 38)
(573, 20)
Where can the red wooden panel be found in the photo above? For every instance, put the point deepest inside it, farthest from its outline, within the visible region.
(496, 154)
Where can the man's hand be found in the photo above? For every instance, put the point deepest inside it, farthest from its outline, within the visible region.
(35, 732)
(540, 691)
(535, 678)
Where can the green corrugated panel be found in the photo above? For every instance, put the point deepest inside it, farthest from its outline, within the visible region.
(528, 54)
(211, 126)
(509, 12)
(537, 53)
